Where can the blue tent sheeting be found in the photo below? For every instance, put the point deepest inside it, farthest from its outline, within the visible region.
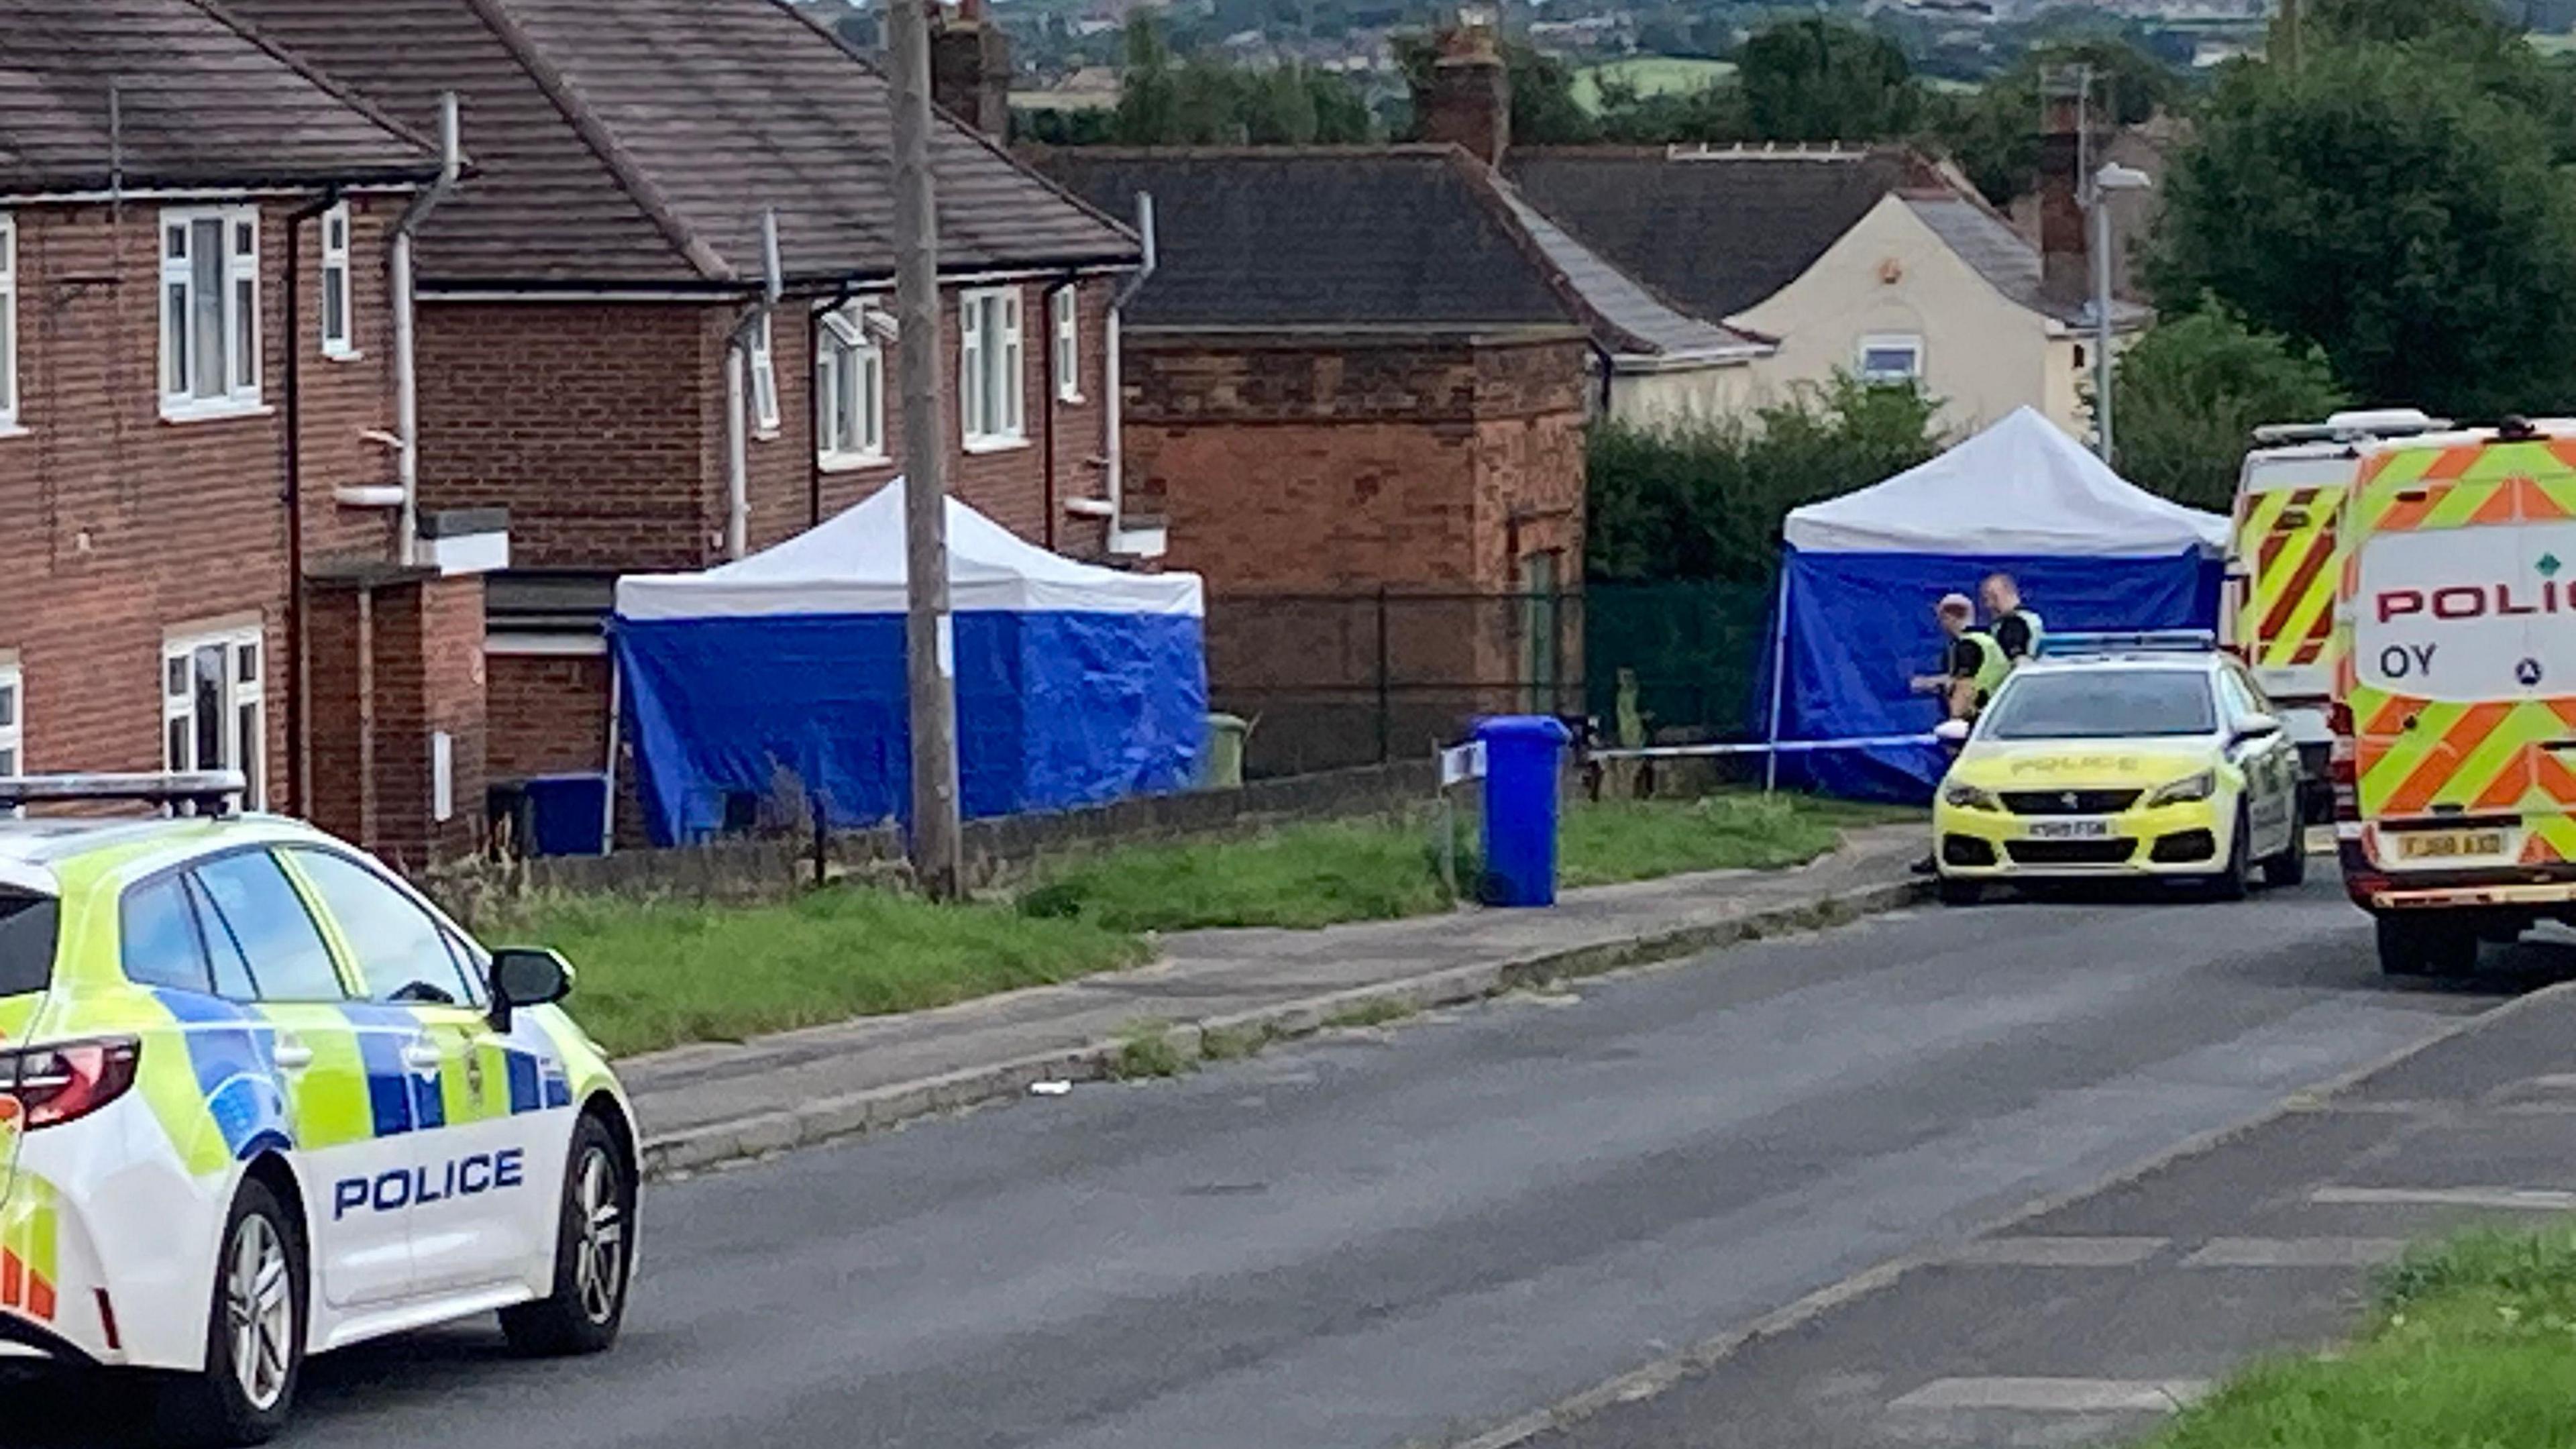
(1075, 685)
(1861, 573)
(1861, 627)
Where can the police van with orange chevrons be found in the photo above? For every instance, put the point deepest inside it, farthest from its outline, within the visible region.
(2284, 561)
(260, 1099)
(2455, 702)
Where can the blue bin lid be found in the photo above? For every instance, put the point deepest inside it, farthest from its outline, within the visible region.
(1542, 727)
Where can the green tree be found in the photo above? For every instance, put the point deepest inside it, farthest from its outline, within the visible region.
(1825, 80)
(2392, 206)
(2191, 393)
(1707, 500)
(2393, 21)
(1995, 134)
(1148, 102)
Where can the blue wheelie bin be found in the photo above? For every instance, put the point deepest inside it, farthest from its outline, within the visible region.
(1524, 763)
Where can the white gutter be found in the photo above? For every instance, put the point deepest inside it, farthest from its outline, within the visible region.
(737, 391)
(1114, 448)
(451, 162)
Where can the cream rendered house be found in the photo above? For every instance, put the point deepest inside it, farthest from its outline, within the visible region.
(1935, 287)
(1874, 262)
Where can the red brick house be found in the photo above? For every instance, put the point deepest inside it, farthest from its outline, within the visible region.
(200, 421)
(598, 354)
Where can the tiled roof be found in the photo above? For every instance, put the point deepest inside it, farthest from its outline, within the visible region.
(1391, 236)
(1381, 236)
(1716, 232)
(199, 102)
(638, 143)
(2007, 260)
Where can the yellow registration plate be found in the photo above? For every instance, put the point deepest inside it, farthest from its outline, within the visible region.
(2449, 844)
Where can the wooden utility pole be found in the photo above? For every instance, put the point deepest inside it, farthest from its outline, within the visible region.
(2286, 39)
(929, 646)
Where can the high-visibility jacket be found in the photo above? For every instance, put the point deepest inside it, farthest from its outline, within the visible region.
(2030, 618)
(1992, 666)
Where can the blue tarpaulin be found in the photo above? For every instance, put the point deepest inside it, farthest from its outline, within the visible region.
(1862, 572)
(1076, 685)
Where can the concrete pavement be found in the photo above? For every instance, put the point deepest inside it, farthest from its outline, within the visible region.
(711, 1103)
(1365, 1241)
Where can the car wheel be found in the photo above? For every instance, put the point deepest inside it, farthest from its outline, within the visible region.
(594, 1254)
(254, 1331)
(2232, 882)
(1961, 892)
(2290, 868)
(2422, 946)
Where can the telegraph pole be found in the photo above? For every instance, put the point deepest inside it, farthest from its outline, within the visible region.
(929, 648)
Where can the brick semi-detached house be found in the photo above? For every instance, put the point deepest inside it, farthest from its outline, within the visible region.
(591, 306)
(199, 434)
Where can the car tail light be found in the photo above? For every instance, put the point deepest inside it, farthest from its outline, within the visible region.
(69, 1080)
(2339, 719)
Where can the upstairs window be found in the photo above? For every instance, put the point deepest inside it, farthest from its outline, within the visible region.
(8, 323)
(13, 721)
(209, 311)
(764, 380)
(988, 368)
(1891, 361)
(1066, 305)
(849, 390)
(339, 330)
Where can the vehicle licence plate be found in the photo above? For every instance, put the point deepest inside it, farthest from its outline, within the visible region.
(2449, 844)
(2070, 830)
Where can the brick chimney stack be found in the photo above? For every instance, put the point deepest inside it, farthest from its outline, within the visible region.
(1469, 98)
(970, 67)
(2065, 247)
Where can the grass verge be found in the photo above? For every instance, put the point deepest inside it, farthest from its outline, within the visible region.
(659, 974)
(1305, 876)
(2472, 1346)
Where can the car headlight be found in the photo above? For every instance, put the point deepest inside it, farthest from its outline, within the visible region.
(1970, 797)
(2183, 792)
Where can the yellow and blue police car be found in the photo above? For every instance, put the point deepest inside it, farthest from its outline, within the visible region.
(259, 1099)
(2122, 755)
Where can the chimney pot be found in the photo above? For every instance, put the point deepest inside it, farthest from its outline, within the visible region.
(1468, 99)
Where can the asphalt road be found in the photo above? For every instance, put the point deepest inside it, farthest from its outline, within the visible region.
(1390, 1238)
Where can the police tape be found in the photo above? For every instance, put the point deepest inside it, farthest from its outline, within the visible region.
(1761, 747)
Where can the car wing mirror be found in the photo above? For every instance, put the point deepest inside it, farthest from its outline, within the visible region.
(526, 976)
(1951, 732)
(2256, 727)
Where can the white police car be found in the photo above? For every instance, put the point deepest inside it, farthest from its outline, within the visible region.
(259, 1099)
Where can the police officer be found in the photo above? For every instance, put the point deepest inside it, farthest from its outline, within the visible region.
(1973, 663)
(2015, 628)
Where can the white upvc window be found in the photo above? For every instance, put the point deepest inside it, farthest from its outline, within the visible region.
(214, 704)
(764, 380)
(209, 311)
(849, 390)
(1066, 306)
(8, 323)
(1890, 358)
(339, 327)
(988, 368)
(13, 716)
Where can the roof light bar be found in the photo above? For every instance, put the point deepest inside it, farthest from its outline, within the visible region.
(214, 791)
(2145, 641)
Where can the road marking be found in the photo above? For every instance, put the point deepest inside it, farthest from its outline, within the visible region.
(2524, 1199)
(2295, 1253)
(2044, 1252)
(2056, 1396)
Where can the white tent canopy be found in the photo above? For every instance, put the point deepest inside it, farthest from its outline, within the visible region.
(2021, 488)
(853, 563)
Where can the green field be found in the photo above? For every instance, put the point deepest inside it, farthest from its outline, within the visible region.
(1651, 74)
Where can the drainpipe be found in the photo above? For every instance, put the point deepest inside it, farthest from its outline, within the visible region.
(737, 391)
(1114, 446)
(291, 491)
(451, 163)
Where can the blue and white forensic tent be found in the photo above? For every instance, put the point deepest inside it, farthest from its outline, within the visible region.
(1076, 685)
(1853, 623)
